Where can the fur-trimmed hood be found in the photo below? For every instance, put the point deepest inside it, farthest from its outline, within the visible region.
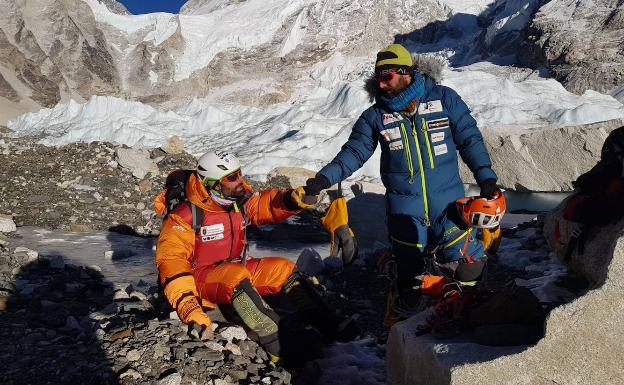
(430, 66)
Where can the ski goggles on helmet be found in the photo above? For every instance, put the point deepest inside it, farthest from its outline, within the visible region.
(482, 213)
(211, 183)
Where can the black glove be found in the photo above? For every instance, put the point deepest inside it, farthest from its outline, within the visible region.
(315, 185)
(489, 189)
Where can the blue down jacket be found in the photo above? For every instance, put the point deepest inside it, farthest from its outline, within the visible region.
(418, 153)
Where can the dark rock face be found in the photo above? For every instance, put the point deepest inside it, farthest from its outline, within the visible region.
(54, 47)
(579, 42)
(115, 6)
(26, 66)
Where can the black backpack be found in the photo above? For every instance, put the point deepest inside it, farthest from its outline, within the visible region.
(175, 194)
(608, 167)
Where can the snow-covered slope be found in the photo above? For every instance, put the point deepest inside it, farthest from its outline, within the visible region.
(309, 132)
(278, 82)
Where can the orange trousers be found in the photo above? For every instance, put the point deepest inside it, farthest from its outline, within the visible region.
(216, 283)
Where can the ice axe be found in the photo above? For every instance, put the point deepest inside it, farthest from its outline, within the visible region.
(336, 222)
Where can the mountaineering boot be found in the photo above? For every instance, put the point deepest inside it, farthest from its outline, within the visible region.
(404, 305)
(259, 317)
(312, 308)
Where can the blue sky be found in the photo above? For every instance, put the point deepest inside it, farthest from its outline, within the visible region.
(138, 7)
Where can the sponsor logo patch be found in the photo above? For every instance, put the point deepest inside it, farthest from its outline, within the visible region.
(398, 145)
(212, 230)
(437, 137)
(437, 124)
(179, 228)
(208, 238)
(430, 107)
(391, 134)
(391, 118)
(440, 149)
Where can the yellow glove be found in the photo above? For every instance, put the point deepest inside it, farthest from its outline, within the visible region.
(336, 222)
(491, 239)
(302, 200)
(190, 312)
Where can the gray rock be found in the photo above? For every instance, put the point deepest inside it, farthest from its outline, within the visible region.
(220, 381)
(6, 224)
(133, 355)
(214, 346)
(173, 145)
(72, 323)
(238, 374)
(295, 176)
(132, 374)
(171, 379)
(233, 332)
(207, 355)
(179, 353)
(30, 255)
(233, 348)
(137, 161)
(310, 262)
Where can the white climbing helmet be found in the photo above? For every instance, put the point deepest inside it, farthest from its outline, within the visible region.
(214, 165)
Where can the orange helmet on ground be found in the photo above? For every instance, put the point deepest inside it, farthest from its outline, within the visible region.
(480, 212)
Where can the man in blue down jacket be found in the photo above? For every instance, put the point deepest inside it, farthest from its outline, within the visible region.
(420, 127)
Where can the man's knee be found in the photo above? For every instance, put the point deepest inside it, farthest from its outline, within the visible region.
(271, 274)
(218, 284)
(469, 272)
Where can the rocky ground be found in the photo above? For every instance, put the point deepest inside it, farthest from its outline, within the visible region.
(61, 323)
(86, 187)
(64, 324)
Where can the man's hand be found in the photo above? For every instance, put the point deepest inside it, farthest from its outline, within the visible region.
(302, 200)
(315, 185)
(190, 312)
(489, 189)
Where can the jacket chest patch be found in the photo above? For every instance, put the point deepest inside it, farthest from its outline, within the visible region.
(430, 107)
(438, 124)
(391, 134)
(440, 149)
(437, 136)
(207, 231)
(398, 145)
(208, 238)
(391, 118)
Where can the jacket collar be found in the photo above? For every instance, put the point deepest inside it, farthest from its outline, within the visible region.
(200, 197)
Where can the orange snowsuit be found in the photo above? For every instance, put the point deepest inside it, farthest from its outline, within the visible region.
(206, 263)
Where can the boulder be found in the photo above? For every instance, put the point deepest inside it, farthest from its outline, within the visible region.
(296, 176)
(6, 224)
(136, 161)
(532, 160)
(173, 146)
(582, 344)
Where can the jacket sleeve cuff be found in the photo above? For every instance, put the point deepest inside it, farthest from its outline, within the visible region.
(483, 174)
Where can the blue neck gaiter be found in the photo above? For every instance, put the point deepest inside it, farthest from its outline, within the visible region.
(416, 90)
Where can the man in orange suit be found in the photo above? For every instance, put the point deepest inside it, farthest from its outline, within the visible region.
(202, 258)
